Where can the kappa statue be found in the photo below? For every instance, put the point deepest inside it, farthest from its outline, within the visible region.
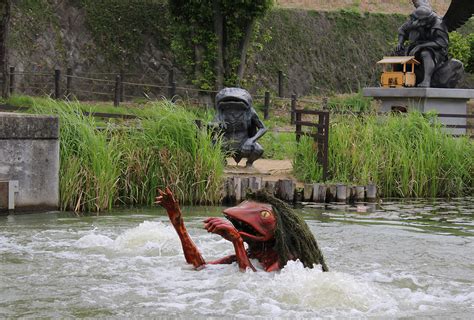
(239, 124)
(425, 36)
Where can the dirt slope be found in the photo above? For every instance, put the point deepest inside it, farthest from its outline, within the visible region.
(386, 6)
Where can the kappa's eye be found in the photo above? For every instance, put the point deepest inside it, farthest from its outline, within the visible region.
(265, 214)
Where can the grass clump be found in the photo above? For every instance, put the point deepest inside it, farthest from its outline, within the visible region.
(117, 165)
(406, 156)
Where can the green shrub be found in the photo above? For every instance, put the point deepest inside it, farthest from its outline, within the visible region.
(460, 47)
(470, 64)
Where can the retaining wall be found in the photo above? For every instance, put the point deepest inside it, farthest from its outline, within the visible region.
(29, 154)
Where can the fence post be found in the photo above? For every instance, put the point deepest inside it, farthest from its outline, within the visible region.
(117, 91)
(298, 126)
(293, 108)
(57, 79)
(325, 103)
(12, 80)
(323, 141)
(280, 84)
(122, 77)
(266, 105)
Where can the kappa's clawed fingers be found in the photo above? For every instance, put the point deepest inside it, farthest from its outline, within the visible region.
(215, 221)
(211, 224)
(168, 191)
(215, 225)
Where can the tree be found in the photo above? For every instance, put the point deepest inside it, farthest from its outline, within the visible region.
(219, 33)
(4, 22)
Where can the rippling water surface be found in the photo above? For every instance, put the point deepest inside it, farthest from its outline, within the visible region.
(395, 259)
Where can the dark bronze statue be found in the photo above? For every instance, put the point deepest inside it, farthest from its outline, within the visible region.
(239, 124)
(425, 36)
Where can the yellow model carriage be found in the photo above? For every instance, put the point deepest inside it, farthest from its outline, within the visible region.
(398, 72)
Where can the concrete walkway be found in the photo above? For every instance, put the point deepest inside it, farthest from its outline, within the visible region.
(270, 170)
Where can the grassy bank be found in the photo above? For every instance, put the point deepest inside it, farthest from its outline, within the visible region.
(124, 163)
(406, 156)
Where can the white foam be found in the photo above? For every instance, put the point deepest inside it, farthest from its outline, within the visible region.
(94, 240)
(313, 288)
(146, 237)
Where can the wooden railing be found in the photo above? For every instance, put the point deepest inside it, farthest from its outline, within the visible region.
(321, 136)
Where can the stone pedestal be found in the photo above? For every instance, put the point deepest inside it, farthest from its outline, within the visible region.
(29, 156)
(451, 104)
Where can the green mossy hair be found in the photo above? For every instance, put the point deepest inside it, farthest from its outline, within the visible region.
(293, 238)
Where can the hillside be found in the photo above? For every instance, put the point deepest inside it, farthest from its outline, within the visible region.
(386, 6)
(319, 52)
(322, 52)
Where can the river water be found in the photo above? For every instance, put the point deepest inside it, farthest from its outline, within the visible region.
(398, 259)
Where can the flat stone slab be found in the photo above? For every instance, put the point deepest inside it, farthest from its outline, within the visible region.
(24, 126)
(442, 93)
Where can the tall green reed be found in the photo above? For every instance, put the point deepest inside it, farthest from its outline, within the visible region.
(114, 165)
(405, 155)
(169, 150)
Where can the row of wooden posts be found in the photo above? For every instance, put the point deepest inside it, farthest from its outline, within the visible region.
(236, 188)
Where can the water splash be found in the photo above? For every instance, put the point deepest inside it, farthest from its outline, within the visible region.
(147, 238)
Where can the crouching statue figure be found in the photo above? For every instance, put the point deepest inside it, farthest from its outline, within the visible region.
(239, 124)
(425, 36)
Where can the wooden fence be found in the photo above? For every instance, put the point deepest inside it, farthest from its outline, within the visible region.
(112, 86)
(321, 136)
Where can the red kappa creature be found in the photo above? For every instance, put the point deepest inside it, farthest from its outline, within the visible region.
(273, 233)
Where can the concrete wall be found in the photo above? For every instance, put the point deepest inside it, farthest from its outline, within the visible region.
(442, 100)
(29, 153)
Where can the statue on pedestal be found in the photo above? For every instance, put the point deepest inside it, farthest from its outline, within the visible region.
(239, 123)
(425, 36)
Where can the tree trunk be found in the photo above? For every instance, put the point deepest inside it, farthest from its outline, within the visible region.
(4, 22)
(244, 45)
(219, 31)
(199, 59)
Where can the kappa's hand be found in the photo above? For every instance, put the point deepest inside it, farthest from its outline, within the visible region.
(222, 227)
(166, 200)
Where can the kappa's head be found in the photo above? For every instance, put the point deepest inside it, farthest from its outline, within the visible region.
(423, 16)
(231, 97)
(418, 3)
(234, 94)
